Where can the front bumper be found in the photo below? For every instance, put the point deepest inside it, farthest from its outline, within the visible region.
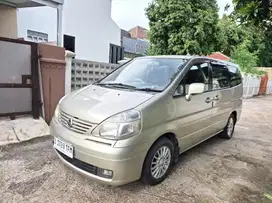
(126, 163)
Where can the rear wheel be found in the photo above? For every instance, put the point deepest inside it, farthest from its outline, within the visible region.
(158, 162)
(229, 129)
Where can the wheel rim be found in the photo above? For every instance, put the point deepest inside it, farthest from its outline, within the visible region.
(160, 162)
(230, 127)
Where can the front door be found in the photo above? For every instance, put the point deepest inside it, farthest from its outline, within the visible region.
(193, 117)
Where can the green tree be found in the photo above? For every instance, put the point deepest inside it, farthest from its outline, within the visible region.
(233, 35)
(257, 12)
(265, 58)
(183, 27)
(245, 59)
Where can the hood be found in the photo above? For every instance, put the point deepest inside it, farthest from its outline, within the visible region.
(95, 104)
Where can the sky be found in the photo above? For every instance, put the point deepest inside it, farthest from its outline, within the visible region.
(129, 13)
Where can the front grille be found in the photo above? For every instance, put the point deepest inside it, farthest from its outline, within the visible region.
(77, 125)
(79, 164)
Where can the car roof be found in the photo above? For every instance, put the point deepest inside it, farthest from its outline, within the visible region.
(188, 57)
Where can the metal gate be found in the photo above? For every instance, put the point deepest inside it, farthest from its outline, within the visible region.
(19, 78)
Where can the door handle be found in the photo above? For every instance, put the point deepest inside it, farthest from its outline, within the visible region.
(216, 98)
(208, 100)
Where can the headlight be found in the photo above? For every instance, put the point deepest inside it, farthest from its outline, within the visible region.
(57, 111)
(120, 126)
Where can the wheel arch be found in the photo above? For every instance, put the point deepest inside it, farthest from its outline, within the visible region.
(173, 138)
(234, 113)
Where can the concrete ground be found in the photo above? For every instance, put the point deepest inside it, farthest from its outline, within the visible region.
(21, 129)
(237, 170)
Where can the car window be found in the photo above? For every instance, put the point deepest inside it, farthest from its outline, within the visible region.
(153, 73)
(220, 77)
(235, 76)
(198, 73)
(205, 69)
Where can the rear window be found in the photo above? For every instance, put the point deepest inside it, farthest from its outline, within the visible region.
(235, 76)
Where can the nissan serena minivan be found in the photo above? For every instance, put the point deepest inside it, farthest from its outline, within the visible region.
(134, 123)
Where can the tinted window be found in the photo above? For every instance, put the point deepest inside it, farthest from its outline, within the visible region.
(198, 73)
(235, 76)
(220, 77)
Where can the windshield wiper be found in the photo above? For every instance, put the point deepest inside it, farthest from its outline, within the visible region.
(148, 90)
(121, 85)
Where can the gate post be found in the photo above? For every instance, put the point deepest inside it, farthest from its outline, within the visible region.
(68, 70)
(52, 64)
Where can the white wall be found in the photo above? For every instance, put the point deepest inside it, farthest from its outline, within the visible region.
(88, 20)
(41, 19)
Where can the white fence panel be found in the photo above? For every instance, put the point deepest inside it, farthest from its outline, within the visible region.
(251, 85)
(269, 87)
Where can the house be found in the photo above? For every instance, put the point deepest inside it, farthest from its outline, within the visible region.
(85, 27)
(220, 56)
(9, 15)
(135, 46)
(124, 33)
(135, 42)
(138, 32)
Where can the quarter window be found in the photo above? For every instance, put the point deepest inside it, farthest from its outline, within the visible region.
(235, 76)
(220, 77)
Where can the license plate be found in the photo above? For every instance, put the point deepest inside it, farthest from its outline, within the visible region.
(64, 147)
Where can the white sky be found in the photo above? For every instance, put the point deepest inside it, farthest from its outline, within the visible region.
(129, 13)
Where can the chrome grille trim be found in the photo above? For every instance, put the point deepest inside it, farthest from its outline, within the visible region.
(78, 126)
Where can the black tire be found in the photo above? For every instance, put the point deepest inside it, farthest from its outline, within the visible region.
(147, 176)
(226, 134)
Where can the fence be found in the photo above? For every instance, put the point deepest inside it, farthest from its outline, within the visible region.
(85, 72)
(269, 87)
(252, 86)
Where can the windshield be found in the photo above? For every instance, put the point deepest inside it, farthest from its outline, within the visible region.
(145, 73)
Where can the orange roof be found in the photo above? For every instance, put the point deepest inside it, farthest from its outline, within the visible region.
(220, 56)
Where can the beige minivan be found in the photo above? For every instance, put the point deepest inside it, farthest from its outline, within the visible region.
(134, 123)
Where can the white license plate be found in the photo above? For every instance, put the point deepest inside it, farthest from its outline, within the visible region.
(64, 147)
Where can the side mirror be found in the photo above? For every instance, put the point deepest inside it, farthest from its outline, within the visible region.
(195, 88)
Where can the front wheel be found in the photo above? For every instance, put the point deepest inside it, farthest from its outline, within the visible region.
(158, 162)
(229, 129)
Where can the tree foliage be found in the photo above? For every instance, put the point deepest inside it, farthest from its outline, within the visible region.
(265, 58)
(183, 27)
(246, 60)
(193, 27)
(256, 12)
(233, 35)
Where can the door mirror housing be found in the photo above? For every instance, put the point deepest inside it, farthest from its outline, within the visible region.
(194, 88)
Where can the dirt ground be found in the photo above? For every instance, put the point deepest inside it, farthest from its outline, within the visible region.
(237, 170)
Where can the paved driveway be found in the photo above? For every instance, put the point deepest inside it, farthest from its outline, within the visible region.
(237, 170)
